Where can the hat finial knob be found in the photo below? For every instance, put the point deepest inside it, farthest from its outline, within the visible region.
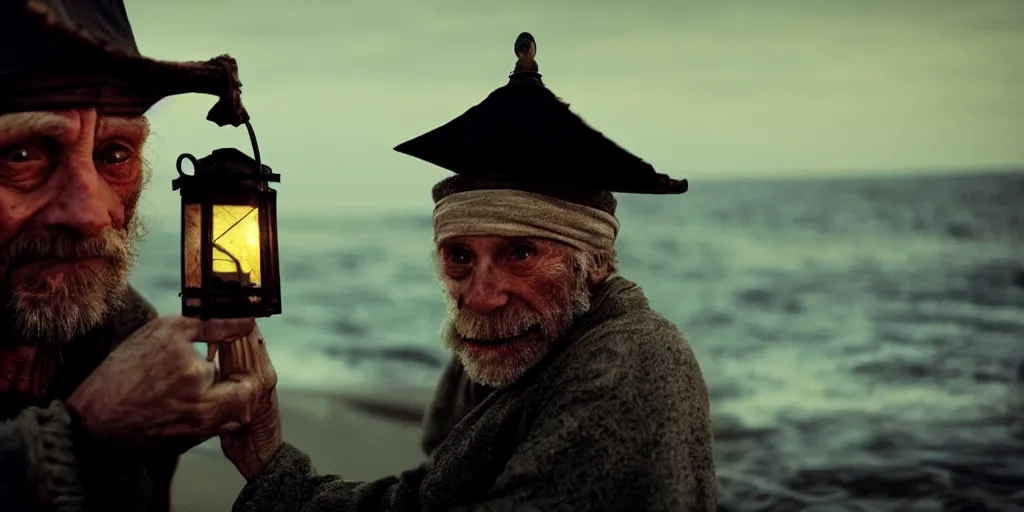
(526, 50)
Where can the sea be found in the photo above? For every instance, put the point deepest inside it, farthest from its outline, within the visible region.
(862, 339)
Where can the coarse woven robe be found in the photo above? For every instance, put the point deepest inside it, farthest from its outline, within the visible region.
(614, 419)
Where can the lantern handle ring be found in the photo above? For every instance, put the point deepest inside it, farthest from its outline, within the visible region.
(182, 158)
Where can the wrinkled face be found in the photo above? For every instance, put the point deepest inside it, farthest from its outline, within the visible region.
(509, 300)
(69, 185)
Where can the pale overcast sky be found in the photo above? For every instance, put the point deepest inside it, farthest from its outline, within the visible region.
(699, 89)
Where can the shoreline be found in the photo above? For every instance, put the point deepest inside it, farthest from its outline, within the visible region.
(351, 434)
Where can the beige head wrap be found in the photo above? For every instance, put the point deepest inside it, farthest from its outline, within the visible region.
(508, 212)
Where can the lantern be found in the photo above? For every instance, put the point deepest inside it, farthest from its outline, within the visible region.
(229, 258)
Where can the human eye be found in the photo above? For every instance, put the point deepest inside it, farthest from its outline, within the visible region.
(523, 252)
(458, 255)
(26, 163)
(117, 160)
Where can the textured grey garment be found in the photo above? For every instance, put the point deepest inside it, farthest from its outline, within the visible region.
(38, 462)
(15, 489)
(454, 397)
(46, 464)
(51, 465)
(615, 420)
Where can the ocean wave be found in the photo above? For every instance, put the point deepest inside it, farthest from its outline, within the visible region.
(861, 339)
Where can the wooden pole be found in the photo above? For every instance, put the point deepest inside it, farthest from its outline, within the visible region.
(252, 446)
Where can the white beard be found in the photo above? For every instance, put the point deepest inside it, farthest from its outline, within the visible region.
(58, 309)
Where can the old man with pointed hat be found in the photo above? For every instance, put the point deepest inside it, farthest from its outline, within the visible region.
(98, 395)
(566, 391)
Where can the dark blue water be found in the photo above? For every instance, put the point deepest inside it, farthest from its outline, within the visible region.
(862, 340)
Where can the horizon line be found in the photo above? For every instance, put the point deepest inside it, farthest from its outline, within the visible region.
(853, 173)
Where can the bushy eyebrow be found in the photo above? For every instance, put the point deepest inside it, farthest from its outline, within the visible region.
(137, 127)
(20, 125)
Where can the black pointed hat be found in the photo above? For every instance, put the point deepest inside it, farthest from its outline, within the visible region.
(63, 54)
(524, 135)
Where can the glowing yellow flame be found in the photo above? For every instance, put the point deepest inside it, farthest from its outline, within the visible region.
(236, 238)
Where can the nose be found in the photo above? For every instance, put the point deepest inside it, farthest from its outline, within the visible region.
(79, 206)
(486, 292)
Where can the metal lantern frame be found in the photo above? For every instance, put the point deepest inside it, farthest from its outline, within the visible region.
(228, 177)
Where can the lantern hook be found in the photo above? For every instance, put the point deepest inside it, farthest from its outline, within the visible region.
(255, 146)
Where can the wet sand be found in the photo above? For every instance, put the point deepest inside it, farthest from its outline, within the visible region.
(348, 434)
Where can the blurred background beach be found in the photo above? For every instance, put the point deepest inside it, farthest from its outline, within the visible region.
(848, 265)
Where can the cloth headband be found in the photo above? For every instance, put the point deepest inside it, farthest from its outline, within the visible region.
(513, 213)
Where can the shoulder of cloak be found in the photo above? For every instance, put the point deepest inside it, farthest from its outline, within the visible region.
(79, 358)
(135, 312)
(628, 351)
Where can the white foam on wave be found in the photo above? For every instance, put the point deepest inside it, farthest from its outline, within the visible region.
(299, 368)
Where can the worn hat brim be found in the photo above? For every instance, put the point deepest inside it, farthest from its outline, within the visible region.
(524, 135)
(63, 54)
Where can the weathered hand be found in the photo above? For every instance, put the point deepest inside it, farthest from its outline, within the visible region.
(251, 447)
(154, 385)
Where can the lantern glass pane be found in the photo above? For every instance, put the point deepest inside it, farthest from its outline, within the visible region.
(193, 255)
(236, 245)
